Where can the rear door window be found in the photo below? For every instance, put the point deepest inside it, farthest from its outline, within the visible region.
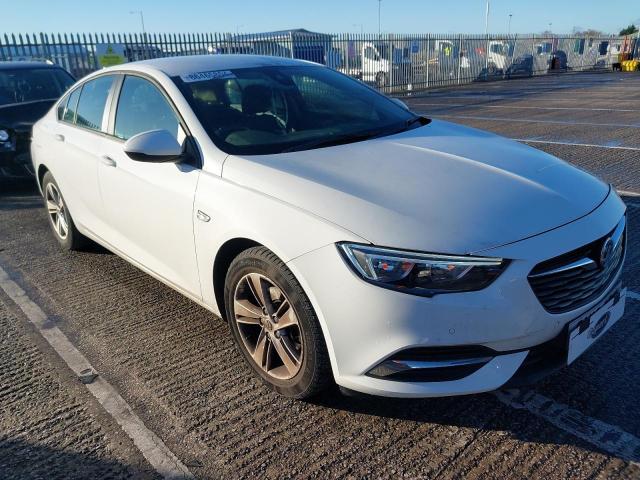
(92, 102)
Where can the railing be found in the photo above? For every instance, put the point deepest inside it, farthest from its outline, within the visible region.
(393, 63)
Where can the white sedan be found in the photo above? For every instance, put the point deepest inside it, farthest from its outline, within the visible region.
(340, 235)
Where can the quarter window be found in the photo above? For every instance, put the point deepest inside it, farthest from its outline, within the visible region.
(61, 107)
(70, 108)
(92, 102)
(141, 108)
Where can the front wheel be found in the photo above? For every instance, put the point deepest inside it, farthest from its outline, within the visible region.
(274, 325)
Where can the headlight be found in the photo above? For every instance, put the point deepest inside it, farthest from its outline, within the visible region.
(4, 135)
(421, 273)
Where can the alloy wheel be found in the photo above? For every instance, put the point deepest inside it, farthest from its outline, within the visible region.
(268, 326)
(57, 211)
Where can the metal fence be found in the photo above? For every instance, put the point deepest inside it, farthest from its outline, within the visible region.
(393, 63)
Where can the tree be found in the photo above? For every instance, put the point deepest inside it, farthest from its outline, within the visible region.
(630, 30)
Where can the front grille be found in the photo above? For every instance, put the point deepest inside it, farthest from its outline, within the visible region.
(23, 141)
(576, 278)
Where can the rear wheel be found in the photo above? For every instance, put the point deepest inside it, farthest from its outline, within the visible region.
(274, 325)
(60, 220)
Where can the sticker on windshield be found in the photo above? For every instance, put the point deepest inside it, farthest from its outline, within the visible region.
(202, 76)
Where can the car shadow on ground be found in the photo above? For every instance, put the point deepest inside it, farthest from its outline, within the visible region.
(25, 196)
(483, 412)
(21, 460)
(19, 195)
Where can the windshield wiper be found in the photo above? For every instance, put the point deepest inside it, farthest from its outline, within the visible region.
(355, 137)
(333, 140)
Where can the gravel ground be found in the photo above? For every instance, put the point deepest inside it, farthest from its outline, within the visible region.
(50, 427)
(176, 366)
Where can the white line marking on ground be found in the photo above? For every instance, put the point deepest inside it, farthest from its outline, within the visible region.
(576, 144)
(149, 444)
(633, 295)
(546, 99)
(606, 437)
(528, 120)
(529, 107)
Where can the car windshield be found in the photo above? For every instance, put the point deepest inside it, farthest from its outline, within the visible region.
(256, 111)
(31, 84)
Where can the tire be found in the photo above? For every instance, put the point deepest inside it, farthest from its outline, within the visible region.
(60, 217)
(264, 343)
(381, 79)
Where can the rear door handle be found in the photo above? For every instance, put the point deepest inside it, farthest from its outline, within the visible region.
(108, 161)
(59, 137)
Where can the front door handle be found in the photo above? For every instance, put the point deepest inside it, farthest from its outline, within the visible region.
(108, 161)
(59, 137)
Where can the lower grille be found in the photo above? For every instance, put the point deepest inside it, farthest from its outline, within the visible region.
(578, 277)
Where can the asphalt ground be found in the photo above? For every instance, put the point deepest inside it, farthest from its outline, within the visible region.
(176, 367)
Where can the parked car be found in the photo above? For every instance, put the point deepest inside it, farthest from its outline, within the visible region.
(27, 92)
(558, 61)
(383, 66)
(522, 66)
(340, 235)
(500, 51)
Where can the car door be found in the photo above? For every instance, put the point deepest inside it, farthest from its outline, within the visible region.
(80, 128)
(149, 206)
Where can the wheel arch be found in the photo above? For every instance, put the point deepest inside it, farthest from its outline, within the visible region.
(225, 255)
(42, 170)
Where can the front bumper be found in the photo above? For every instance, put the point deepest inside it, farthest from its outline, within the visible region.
(15, 157)
(364, 324)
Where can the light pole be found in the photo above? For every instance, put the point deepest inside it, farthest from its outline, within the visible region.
(486, 36)
(238, 27)
(509, 27)
(139, 12)
(144, 34)
(486, 20)
(361, 27)
(379, 29)
(550, 27)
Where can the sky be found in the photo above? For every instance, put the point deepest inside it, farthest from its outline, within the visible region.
(397, 16)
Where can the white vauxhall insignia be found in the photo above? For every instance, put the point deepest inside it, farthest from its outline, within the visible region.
(341, 236)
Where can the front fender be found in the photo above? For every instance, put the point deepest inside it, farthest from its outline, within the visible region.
(236, 211)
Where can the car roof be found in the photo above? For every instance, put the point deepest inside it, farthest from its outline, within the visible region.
(173, 66)
(26, 65)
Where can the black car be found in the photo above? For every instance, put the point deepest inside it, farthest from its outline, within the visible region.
(27, 92)
(521, 67)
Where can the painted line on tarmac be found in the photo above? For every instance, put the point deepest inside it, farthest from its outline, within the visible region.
(604, 436)
(163, 460)
(528, 120)
(577, 144)
(515, 96)
(529, 107)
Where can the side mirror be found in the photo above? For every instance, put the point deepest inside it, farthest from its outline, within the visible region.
(155, 146)
(399, 102)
